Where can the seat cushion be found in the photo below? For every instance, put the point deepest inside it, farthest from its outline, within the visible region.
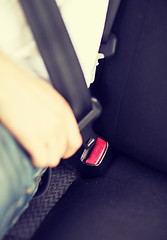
(128, 203)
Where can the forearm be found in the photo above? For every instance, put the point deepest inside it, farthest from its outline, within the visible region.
(10, 75)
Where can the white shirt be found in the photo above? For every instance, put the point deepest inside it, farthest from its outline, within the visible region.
(84, 20)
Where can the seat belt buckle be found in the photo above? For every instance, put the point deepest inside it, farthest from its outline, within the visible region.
(95, 158)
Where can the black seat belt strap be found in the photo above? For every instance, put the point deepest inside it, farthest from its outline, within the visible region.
(58, 53)
(66, 76)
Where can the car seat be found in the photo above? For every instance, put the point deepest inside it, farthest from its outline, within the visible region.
(129, 200)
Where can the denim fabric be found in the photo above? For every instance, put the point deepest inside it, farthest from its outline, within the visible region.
(18, 180)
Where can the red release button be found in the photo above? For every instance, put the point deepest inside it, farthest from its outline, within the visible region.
(97, 152)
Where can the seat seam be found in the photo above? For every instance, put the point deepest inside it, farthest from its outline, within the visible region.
(129, 73)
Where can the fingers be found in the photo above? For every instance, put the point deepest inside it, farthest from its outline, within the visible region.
(50, 155)
(57, 146)
(74, 143)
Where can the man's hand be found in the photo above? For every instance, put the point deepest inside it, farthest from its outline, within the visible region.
(37, 115)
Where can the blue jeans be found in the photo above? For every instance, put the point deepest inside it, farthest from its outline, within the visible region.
(18, 180)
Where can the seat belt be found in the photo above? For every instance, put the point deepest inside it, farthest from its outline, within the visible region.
(111, 14)
(67, 78)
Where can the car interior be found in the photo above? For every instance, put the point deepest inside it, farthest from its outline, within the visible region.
(129, 200)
